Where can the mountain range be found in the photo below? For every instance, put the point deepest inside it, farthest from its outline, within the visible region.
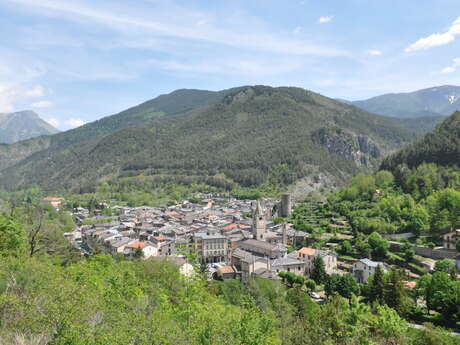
(244, 136)
(23, 125)
(438, 101)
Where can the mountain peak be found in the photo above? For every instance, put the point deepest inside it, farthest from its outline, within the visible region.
(22, 125)
(434, 101)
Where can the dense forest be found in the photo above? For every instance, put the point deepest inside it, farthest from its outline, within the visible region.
(442, 146)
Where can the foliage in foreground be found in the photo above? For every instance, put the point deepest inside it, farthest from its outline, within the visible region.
(104, 301)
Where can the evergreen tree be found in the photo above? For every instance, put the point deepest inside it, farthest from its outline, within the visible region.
(319, 274)
(395, 295)
(377, 286)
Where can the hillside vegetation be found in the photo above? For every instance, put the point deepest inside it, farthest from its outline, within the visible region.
(442, 146)
(61, 299)
(248, 136)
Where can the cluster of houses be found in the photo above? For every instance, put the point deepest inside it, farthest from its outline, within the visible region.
(238, 239)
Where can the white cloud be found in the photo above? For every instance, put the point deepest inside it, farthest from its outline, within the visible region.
(374, 52)
(452, 68)
(176, 26)
(255, 67)
(74, 122)
(53, 122)
(323, 20)
(42, 104)
(437, 39)
(36, 91)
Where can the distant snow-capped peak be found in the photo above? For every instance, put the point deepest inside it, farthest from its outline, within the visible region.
(453, 98)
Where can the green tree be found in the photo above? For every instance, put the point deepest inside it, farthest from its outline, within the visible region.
(318, 273)
(12, 237)
(446, 266)
(396, 295)
(379, 246)
(377, 286)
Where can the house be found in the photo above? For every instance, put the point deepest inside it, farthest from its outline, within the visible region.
(118, 245)
(148, 250)
(246, 264)
(308, 255)
(225, 272)
(55, 202)
(288, 264)
(211, 247)
(450, 239)
(364, 268)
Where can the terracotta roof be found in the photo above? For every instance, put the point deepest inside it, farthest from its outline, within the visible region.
(231, 226)
(307, 251)
(225, 269)
(172, 213)
(136, 245)
(52, 199)
(159, 238)
(242, 226)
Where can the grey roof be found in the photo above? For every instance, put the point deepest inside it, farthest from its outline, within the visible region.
(286, 261)
(265, 273)
(371, 263)
(121, 242)
(205, 236)
(241, 253)
(262, 245)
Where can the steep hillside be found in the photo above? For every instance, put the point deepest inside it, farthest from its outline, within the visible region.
(23, 125)
(442, 146)
(435, 101)
(82, 139)
(250, 135)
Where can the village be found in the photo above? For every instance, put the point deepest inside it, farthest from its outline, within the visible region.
(231, 239)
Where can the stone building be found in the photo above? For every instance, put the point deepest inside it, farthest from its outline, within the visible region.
(211, 247)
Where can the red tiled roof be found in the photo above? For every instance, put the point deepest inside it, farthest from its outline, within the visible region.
(307, 251)
(159, 238)
(231, 226)
(136, 245)
(242, 226)
(225, 269)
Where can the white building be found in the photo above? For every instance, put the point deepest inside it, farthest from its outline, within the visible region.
(364, 268)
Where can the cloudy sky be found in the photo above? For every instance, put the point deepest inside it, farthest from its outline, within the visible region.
(74, 61)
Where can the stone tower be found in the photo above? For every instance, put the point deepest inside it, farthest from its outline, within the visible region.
(259, 225)
(286, 206)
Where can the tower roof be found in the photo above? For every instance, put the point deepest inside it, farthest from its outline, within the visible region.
(259, 209)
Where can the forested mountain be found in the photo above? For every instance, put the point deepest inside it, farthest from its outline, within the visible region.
(247, 136)
(23, 125)
(180, 102)
(435, 101)
(442, 146)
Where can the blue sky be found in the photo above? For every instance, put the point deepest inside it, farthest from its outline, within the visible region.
(74, 61)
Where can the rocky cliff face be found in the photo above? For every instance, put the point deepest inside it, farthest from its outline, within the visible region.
(357, 148)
